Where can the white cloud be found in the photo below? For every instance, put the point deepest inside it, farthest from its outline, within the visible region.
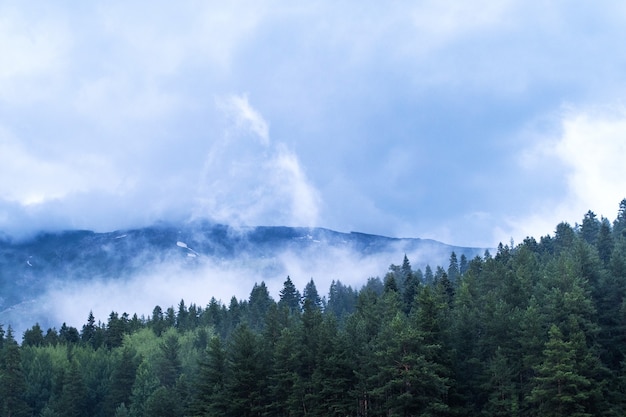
(34, 180)
(34, 54)
(244, 117)
(290, 179)
(249, 180)
(588, 154)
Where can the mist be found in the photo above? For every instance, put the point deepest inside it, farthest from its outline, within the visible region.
(164, 279)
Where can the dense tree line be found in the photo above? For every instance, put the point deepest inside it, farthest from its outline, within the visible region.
(537, 329)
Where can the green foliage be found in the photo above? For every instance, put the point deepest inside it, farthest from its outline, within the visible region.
(536, 330)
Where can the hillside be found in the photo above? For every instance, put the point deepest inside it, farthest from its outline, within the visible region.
(31, 268)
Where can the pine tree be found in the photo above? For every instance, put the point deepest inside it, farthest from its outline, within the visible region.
(619, 225)
(341, 300)
(12, 381)
(333, 378)
(560, 390)
(211, 397)
(453, 268)
(122, 381)
(169, 365)
(73, 397)
(289, 296)
(284, 380)
(590, 228)
(463, 264)
(88, 333)
(182, 317)
(605, 241)
(157, 323)
(310, 293)
(164, 402)
(246, 386)
(500, 387)
(33, 336)
(429, 277)
(114, 331)
(258, 306)
(410, 285)
(146, 383)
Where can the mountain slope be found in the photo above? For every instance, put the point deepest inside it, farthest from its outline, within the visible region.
(30, 269)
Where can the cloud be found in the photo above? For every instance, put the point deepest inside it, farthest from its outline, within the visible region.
(249, 180)
(244, 118)
(587, 154)
(35, 179)
(166, 281)
(34, 55)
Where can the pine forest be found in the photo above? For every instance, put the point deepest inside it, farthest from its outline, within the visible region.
(532, 329)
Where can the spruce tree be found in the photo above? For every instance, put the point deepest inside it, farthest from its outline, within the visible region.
(560, 390)
(12, 381)
(246, 386)
(310, 293)
(122, 381)
(289, 297)
(211, 397)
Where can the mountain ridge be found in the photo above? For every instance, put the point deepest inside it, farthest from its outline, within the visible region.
(30, 267)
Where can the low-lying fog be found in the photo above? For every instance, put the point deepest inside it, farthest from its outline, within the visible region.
(165, 283)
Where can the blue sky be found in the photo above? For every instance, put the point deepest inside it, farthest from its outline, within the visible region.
(470, 123)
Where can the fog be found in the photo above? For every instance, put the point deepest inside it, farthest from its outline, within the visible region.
(164, 281)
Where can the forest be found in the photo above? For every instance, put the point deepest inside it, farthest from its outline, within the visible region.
(534, 329)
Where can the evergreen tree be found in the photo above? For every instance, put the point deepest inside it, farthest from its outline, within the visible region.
(114, 331)
(122, 381)
(463, 264)
(146, 383)
(183, 321)
(72, 401)
(590, 228)
(308, 340)
(169, 365)
(560, 390)
(211, 396)
(429, 277)
(605, 241)
(157, 322)
(333, 379)
(246, 386)
(88, 333)
(500, 387)
(341, 300)
(411, 284)
(310, 293)
(258, 306)
(619, 225)
(33, 336)
(12, 381)
(390, 283)
(68, 335)
(164, 402)
(39, 373)
(289, 296)
(121, 411)
(453, 268)
(284, 380)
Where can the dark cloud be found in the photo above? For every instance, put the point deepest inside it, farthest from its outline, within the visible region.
(403, 119)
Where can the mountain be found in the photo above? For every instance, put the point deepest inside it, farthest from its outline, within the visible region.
(30, 269)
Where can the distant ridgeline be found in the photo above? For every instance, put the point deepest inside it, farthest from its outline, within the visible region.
(27, 266)
(532, 330)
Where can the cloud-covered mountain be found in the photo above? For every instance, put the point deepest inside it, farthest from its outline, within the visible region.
(63, 275)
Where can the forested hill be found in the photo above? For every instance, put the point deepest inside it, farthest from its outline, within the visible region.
(531, 330)
(30, 269)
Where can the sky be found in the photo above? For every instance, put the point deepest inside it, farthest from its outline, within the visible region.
(469, 123)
